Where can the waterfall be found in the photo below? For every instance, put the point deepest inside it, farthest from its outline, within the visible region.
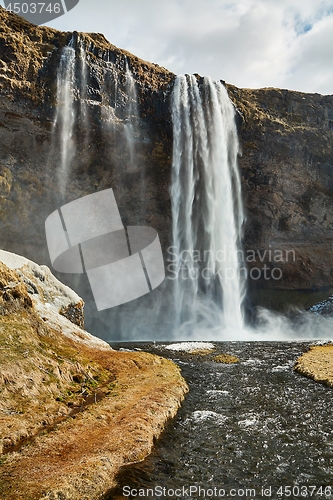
(108, 84)
(83, 71)
(65, 116)
(131, 118)
(206, 208)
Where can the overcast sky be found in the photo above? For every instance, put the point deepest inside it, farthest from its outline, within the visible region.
(250, 43)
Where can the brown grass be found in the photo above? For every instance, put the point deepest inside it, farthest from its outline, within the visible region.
(225, 358)
(43, 377)
(317, 364)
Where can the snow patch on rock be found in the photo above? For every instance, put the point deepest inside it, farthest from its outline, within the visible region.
(55, 302)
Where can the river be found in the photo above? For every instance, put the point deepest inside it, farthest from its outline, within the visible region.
(252, 429)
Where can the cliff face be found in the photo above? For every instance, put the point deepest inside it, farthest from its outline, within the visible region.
(286, 163)
(287, 173)
(30, 150)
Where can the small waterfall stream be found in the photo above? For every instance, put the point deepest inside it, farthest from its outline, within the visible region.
(77, 100)
(132, 114)
(206, 208)
(65, 115)
(83, 71)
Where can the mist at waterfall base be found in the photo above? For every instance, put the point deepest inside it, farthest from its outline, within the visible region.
(207, 211)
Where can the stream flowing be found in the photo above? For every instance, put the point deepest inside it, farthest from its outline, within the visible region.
(245, 426)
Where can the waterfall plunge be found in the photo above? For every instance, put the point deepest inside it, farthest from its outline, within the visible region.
(206, 208)
(206, 198)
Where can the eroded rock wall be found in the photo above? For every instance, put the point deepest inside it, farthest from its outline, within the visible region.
(287, 173)
(286, 163)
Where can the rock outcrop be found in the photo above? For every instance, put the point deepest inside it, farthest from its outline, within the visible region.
(49, 295)
(72, 410)
(286, 163)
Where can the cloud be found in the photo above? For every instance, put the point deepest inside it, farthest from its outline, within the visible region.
(311, 59)
(250, 43)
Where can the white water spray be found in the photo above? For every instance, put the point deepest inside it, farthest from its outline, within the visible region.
(206, 208)
(65, 115)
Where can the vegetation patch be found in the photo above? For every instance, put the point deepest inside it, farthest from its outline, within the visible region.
(225, 358)
(71, 414)
(317, 364)
(201, 352)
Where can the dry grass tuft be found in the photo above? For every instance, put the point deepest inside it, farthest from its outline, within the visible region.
(317, 364)
(225, 358)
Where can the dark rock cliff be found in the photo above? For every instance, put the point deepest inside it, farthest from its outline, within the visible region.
(286, 163)
(287, 172)
(30, 157)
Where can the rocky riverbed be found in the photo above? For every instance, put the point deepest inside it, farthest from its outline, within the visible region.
(244, 426)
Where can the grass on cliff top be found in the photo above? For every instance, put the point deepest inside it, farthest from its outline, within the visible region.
(28, 50)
